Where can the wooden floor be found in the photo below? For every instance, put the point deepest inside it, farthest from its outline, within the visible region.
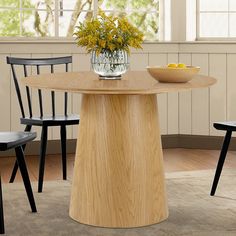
(174, 160)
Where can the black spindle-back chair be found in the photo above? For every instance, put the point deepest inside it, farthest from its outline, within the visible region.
(42, 120)
(229, 127)
(16, 140)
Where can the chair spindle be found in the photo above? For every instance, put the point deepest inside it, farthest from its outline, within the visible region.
(28, 93)
(66, 95)
(40, 95)
(53, 95)
(18, 91)
(48, 121)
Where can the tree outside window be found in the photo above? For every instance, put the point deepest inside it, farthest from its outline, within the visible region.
(58, 18)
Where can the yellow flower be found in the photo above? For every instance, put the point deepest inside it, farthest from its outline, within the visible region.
(111, 47)
(109, 37)
(119, 40)
(108, 33)
(102, 43)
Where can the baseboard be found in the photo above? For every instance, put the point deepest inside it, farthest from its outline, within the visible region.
(168, 141)
(196, 142)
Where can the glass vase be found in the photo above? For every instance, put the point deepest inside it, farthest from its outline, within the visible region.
(110, 65)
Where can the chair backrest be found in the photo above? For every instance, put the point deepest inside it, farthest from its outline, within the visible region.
(38, 63)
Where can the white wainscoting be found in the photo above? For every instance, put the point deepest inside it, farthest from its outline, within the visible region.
(191, 112)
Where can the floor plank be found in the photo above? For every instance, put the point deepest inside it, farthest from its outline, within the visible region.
(177, 159)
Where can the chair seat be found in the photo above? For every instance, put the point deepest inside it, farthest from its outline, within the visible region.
(51, 120)
(227, 125)
(10, 140)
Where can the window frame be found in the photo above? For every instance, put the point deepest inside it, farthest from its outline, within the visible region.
(199, 38)
(56, 36)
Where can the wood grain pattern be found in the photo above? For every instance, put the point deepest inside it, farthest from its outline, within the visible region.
(203, 55)
(135, 82)
(118, 176)
(167, 74)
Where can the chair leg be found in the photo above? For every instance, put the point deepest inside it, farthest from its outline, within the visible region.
(2, 228)
(43, 147)
(221, 161)
(63, 151)
(15, 168)
(25, 176)
(13, 173)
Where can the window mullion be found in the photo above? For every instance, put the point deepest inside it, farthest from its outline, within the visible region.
(178, 20)
(21, 18)
(198, 18)
(228, 20)
(227, 13)
(161, 20)
(95, 8)
(56, 15)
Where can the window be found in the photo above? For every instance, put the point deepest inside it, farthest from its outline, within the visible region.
(216, 19)
(58, 18)
(144, 14)
(42, 18)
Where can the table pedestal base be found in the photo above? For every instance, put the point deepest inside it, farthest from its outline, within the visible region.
(118, 174)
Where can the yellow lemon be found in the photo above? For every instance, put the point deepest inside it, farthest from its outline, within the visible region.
(181, 65)
(172, 65)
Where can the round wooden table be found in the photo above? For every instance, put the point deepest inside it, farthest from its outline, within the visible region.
(118, 176)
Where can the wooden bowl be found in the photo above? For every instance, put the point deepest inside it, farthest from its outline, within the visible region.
(173, 75)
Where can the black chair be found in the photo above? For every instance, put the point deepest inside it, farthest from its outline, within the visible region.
(229, 127)
(43, 120)
(16, 140)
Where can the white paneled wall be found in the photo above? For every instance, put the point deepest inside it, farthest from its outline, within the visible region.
(81, 62)
(230, 87)
(5, 94)
(200, 99)
(190, 112)
(185, 101)
(217, 68)
(172, 103)
(161, 59)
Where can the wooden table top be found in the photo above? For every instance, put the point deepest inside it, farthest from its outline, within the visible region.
(135, 82)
